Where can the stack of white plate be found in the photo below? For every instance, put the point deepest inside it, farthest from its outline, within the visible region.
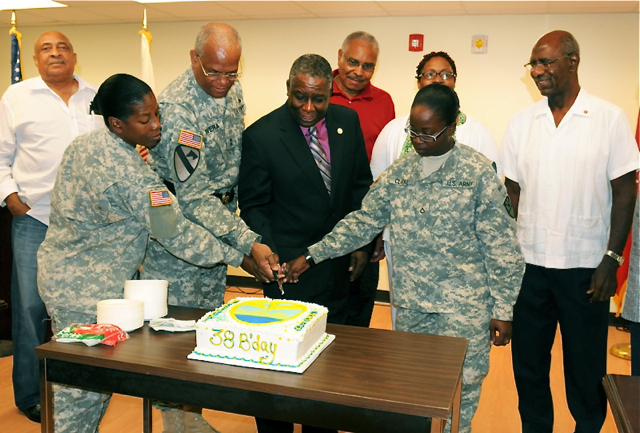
(128, 314)
(153, 293)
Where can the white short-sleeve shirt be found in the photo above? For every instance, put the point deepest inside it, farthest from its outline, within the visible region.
(564, 173)
(36, 126)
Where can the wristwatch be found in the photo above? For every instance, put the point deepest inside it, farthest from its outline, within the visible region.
(618, 258)
(309, 259)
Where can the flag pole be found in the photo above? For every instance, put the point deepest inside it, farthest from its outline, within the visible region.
(16, 43)
(147, 68)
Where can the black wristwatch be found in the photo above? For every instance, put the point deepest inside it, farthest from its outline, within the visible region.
(309, 259)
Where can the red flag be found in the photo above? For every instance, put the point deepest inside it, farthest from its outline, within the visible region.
(623, 271)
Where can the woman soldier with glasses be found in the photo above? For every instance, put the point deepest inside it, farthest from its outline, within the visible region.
(394, 140)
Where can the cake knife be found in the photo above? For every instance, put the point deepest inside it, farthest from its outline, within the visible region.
(275, 275)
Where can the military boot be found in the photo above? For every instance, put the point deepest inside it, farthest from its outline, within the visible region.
(173, 421)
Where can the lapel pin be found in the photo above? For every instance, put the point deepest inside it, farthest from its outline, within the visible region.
(340, 131)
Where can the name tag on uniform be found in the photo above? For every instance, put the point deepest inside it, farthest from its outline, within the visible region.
(160, 198)
(190, 139)
(454, 183)
(212, 128)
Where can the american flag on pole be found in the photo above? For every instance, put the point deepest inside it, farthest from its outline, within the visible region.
(16, 64)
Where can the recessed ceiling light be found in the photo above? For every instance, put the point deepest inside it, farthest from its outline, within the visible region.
(10, 5)
(168, 1)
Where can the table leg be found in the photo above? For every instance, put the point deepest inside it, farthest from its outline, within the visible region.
(455, 410)
(147, 421)
(46, 399)
(437, 425)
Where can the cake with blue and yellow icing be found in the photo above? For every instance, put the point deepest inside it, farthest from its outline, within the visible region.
(263, 333)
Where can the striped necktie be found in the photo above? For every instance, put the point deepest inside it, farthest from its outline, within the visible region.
(321, 157)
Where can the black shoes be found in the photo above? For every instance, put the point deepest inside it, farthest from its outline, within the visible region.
(33, 413)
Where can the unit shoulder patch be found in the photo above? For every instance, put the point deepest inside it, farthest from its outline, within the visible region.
(185, 162)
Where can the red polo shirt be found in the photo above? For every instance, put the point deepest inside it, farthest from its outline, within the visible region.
(374, 107)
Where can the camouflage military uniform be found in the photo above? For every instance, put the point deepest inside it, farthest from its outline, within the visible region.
(457, 262)
(106, 204)
(200, 155)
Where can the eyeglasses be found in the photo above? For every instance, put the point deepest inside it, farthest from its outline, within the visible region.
(430, 75)
(215, 75)
(426, 138)
(355, 63)
(544, 63)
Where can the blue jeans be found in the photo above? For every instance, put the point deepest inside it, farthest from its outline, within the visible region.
(28, 312)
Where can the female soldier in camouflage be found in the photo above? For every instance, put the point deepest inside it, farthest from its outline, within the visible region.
(457, 264)
(106, 205)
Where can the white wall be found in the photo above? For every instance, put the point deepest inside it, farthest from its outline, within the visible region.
(491, 86)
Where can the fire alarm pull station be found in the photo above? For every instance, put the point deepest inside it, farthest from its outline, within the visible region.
(416, 42)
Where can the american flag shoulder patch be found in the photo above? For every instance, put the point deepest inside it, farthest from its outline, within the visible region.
(160, 198)
(190, 139)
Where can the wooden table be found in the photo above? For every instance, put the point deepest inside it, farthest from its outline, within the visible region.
(623, 393)
(367, 380)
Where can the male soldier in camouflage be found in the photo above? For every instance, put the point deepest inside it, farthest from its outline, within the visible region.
(106, 205)
(457, 262)
(199, 157)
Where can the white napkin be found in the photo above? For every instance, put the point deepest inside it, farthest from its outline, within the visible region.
(172, 325)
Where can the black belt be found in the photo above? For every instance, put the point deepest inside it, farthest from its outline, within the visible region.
(226, 197)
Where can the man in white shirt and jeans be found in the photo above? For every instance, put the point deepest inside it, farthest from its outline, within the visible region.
(569, 161)
(39, 117)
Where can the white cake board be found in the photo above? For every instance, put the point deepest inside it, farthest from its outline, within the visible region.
(242, 362)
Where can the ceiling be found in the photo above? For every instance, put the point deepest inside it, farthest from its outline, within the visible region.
(116, 11)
